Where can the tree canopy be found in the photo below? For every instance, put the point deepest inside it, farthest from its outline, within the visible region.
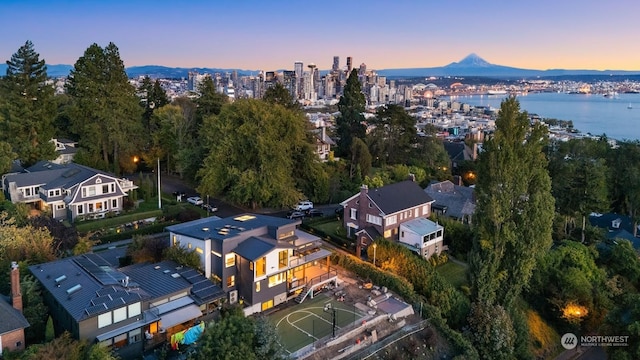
(514, 210)
(27, 106)
(106, 114)
(350, 123)
(255, 149)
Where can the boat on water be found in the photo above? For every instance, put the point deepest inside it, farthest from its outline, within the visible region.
(629, 106)
(496, 92)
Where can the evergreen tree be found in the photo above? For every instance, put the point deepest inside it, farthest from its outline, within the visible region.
(106, 114)
(514, 208)
(395, 132)
(28, 107)
(278, 94)
(209, 101)
(350, 123)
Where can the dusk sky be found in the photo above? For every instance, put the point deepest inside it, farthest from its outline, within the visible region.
(273, 34)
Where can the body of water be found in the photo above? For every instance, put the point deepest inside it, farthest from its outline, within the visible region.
(590, 113)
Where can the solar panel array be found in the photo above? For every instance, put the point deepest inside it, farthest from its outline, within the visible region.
(100, 269)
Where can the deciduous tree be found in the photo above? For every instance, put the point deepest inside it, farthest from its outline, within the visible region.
(255, 149)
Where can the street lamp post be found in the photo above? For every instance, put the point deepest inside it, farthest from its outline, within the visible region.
(374, 253)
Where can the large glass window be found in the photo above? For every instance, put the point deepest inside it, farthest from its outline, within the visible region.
(267, 305)
(120, 341)
(261, 267)
(277, 279)
(283, 259)
(230, 260)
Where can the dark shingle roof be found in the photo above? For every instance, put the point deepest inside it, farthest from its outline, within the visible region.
(12, 319)
(459, 200)
(399, 196)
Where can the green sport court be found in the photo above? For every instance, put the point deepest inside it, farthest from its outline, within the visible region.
(307, 323)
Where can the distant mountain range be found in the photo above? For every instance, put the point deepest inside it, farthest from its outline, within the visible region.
(472, 65)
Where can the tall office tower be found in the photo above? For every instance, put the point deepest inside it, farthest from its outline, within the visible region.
(349, 65)
(289, 82)
(392, 84)
(234, 78)
(297, 68)
(191, 81)
(362, 73)
(336, 63)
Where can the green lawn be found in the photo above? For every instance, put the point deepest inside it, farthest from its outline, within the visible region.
(456, 274)
(92, 225)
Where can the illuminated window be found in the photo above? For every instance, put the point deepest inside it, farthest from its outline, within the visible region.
(261, 267)
(277, 279)
(231, 281)
(258, 287)
(267, 305)
(387, 234)
(199, 251)
(230, 260)
(285, 235)
(283, 259)
(153, 328)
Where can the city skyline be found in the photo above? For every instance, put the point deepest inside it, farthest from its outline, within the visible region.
(255, 35)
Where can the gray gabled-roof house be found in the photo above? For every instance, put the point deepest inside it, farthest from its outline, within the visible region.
(454, 201)
(70, 191)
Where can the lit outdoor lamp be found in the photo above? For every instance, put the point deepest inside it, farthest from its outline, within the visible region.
(374, 253)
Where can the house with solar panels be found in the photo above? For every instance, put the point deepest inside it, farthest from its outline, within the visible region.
(261, 261)
(68, 191)
(129, 309)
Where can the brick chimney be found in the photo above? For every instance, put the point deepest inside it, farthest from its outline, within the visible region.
(16, 295)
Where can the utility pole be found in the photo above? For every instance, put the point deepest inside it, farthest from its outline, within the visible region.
(159, 192)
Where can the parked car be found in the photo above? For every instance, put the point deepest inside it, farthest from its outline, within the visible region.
(296, 215)
(195, 200)
(304, 206)
(209, 207)
(314, 213)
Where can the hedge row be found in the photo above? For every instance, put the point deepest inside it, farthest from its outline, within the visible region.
(365, 270)
(146, 230)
